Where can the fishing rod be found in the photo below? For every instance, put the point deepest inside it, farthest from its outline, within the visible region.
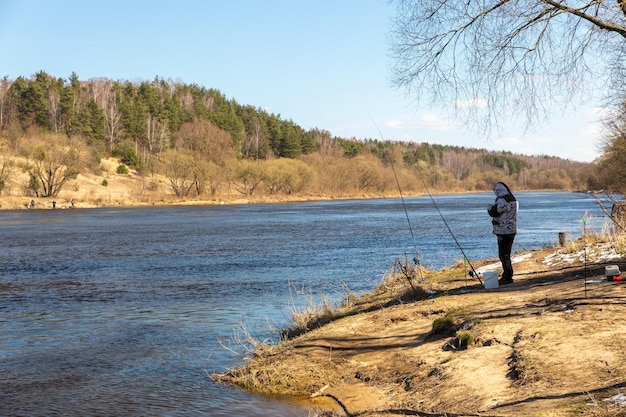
(472, 272)
(406, 212)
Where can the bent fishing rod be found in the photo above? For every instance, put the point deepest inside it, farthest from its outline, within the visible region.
(416, 260)
(472, 272)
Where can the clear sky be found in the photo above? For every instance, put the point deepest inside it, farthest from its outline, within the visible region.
(322, 63)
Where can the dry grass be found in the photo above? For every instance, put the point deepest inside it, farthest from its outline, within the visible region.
(310, 317)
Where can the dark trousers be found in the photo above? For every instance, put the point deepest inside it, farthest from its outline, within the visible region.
(505, 244)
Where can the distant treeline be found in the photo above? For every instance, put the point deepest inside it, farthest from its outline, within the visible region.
(204, 143)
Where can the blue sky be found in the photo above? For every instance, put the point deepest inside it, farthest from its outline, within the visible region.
(322, 63)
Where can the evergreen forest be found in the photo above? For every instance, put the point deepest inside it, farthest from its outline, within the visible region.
(194, 143)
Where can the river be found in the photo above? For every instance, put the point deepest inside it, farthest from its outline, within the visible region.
(114, 311)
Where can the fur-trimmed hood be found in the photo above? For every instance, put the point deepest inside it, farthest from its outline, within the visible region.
(504, 210)
(501, 190)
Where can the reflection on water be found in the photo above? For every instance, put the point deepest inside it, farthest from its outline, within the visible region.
(123, 312)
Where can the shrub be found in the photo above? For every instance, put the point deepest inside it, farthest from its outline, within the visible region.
(128, 156)
(122, 169)
(443, 325)
(105, 182)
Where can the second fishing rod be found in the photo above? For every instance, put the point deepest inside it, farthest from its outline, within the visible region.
(472, 272)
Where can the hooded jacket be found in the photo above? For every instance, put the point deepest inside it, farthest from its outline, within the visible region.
(503, 211)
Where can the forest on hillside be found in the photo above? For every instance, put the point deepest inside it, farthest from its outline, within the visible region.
(204, 145)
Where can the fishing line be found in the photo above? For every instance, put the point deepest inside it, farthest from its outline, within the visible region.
(406, 212)
(473, 272)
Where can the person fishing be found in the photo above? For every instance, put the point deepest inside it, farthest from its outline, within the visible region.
(504, 220)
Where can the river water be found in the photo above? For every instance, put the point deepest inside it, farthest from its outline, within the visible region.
(108, 312)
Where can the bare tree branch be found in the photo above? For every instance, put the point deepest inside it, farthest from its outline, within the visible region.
(593, 19)
(485, 59)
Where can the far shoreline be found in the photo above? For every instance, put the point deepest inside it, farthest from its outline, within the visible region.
(9, 203)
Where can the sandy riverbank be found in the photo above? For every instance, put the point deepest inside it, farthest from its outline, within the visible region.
(547, 345)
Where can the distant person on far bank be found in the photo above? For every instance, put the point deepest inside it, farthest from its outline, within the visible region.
(504, 220)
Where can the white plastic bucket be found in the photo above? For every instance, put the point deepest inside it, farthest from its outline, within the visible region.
(611, 270)
(490, 278)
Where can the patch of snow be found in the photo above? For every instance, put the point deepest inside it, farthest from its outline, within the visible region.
(619, 399)
(598, 253)
(496, 265)
(521, 258)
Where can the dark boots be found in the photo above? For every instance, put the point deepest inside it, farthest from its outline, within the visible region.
(507, 275)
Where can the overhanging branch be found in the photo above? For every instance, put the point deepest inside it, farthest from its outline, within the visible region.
(602, 24)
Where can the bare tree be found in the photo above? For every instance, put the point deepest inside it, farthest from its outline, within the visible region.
(186, 100)
(14, 132)
(156, 135)
(6, 172)
(487, 58)
(325, 140)
(52, 167)
(203, 138)
(103, 93)
(253, 141)
(611, 173)
(187, 172)
(289, 176)
(112, 121)
(367, 172)
(54, 110)
(246, 177)
(179, 170)
(458, 163)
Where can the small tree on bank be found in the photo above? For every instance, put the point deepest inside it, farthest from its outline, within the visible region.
(51, 167)
(179, 170)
